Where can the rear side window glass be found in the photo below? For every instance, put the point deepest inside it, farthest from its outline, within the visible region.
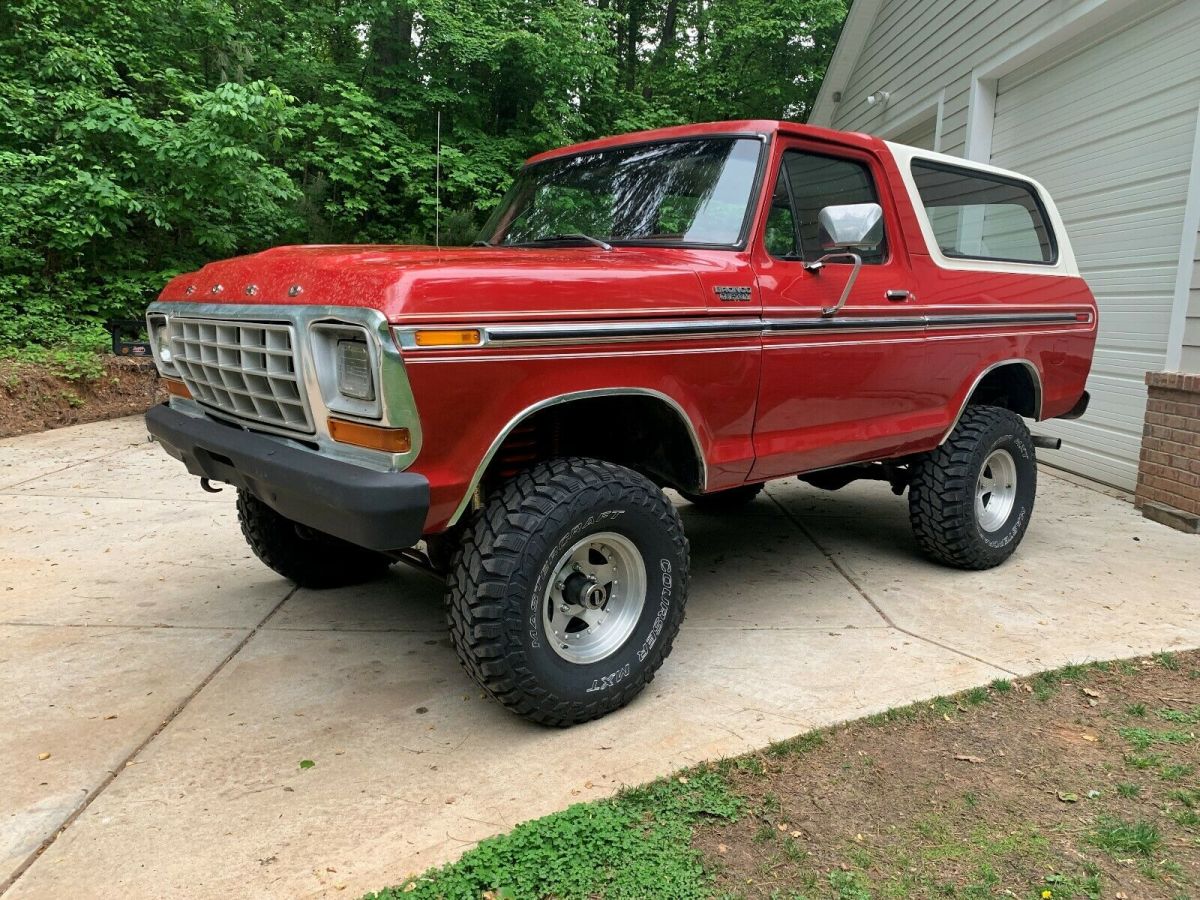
(977, 215)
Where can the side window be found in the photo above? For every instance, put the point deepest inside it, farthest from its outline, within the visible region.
(814, 182)
(781, 224)
(977, 215)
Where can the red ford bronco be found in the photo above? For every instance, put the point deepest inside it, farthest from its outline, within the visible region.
(702, 308)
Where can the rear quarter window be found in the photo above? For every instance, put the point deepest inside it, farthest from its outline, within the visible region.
(978, 215)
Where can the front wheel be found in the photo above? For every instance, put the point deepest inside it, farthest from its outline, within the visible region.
(568, 589)
(970, 500)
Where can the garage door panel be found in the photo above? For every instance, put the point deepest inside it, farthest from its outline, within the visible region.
(1150, 284)
(1089, 80)
(1094, 202)
(1131, 364)
(1093, 119)
(1108, 129)
(1117, 160)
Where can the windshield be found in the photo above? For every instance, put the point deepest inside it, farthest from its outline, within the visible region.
(678, 192)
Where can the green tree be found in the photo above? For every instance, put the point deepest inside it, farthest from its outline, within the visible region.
(139, 139)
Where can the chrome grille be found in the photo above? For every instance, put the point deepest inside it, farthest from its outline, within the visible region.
(246, 369)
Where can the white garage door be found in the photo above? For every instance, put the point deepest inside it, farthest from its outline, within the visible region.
(1109, 131)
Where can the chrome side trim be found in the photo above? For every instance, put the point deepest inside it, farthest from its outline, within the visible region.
(399, 408)
(567, 398)
(872, 323)
(510, 334)
(612, 332)
(1037, 391)
(583, 332)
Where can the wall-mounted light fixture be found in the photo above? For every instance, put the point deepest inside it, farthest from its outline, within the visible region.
(879, 98)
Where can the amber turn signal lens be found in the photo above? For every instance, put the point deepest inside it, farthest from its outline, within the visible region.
(177, 388)
(463, 337)
(374, 437)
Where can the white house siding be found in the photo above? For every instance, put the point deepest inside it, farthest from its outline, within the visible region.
(1109, 131)
(1105, 119)
(918, 48)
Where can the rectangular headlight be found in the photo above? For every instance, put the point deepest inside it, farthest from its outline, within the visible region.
(354, 378)
(160, 341)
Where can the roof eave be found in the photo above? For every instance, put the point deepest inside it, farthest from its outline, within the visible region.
(855, 31)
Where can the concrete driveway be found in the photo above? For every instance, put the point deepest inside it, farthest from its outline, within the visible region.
(177, 684)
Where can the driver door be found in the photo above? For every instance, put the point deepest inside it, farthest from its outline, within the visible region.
(841, 386)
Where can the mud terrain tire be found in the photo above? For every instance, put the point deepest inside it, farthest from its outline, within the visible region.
(505, 606)
(970, 500)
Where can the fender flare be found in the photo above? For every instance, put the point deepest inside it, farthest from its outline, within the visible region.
(1037, 390)
(569, 397)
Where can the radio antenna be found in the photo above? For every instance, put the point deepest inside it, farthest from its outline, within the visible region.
(437, 187)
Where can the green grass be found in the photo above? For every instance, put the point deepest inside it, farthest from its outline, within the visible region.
(797, 745)
(1138, 738)
(1144, 738)
(976, 696)
(631, 846)
(1125, 839)
(849, 886)
(943, 706)
(1176, 772)
(1179, 716)
(1167, 660)
(638, 844)
(1144, 761)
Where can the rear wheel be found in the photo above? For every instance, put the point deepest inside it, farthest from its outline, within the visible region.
(310, 558)
(726, 500)
(970, 500)
(568, 589)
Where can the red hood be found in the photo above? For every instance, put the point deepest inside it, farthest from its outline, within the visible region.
(426, 283)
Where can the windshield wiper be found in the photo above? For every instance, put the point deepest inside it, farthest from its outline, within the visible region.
(482, 243)
(574, 236)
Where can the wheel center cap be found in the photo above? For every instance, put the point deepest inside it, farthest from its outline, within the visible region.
(582, 590)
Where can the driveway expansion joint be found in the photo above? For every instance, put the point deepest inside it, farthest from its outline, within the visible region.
(108, 779)
(4, 488)
(854, 583)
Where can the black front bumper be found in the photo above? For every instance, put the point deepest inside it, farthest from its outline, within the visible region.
(377, 510)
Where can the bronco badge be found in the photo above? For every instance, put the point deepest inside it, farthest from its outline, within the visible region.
(732, 294)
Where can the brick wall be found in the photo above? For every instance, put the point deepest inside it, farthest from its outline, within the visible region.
(1169, 471)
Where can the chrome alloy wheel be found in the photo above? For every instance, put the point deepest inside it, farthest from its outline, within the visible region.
(595, 598)
(995, 490)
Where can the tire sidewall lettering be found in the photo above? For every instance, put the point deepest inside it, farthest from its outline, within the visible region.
(1014, 528)
(664, 584)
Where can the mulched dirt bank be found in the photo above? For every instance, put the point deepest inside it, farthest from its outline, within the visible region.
(1078, 784)
(33, 397)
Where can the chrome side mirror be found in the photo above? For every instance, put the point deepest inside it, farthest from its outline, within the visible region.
(842, 230)
(852, 226)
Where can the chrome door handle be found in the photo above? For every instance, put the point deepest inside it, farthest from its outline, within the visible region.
(899, 296)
